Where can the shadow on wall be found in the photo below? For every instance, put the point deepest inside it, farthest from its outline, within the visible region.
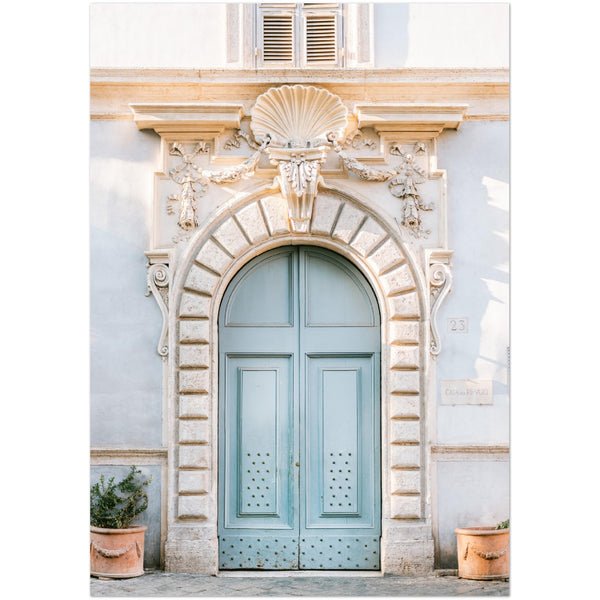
(475, 492)
(392, 32)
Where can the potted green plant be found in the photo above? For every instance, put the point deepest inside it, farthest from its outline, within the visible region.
(483, 552)
(116, 546)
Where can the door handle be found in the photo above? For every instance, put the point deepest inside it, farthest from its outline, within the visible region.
(297, 464)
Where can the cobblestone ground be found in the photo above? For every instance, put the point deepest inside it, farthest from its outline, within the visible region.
(159, 584)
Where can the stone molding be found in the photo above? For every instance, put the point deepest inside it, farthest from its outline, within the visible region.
(236, 233)
(486, 91)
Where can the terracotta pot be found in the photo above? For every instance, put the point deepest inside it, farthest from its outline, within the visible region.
(483, 552)
(117, 553)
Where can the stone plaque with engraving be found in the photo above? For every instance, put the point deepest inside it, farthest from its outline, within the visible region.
(467, 391)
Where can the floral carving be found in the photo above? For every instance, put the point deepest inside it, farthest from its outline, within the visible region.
(299, 176)
(402, 182)
(404, 186)
(358, 140)
(195, 180)
(235, 140)
(193, 183)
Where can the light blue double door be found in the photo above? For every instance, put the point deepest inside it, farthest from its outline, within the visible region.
(299, 434)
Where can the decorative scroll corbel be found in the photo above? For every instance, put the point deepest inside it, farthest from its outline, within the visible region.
(440, 283)
(158, 280)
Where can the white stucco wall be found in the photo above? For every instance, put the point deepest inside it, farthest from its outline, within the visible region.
(476, 158)
(445, 35)
(193, 35)
(125, 370)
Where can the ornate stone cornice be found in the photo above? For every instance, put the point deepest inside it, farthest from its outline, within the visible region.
(429, 120)
(207, 119)
(486, 91)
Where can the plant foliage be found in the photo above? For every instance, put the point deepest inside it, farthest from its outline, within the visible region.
(115, 505)
(503, 524)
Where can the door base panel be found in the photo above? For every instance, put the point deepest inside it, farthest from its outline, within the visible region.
(258, 552)
(339, 552)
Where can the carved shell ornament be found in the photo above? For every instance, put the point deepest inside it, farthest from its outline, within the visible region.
(298, 116)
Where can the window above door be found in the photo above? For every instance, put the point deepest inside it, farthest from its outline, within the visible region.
(287, 35)
(299, 35)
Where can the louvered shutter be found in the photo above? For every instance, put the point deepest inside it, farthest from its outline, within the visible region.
(321, 46)
(299, 35)
(278, 37)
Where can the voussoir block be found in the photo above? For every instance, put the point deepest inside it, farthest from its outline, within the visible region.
(251, 220)
(193, 331)
(211, 256)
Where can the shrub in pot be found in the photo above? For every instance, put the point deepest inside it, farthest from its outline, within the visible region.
(483, 552)
(116, 546)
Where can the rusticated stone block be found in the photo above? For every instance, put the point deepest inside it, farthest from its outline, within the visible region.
(405, 507)
(191, 555)
(405, 356)
(193, 506)
(404, 305)
(405, 406)
(211, 256)
(197, 431)
(197, 482)
(368, 237)
(276, 213)
(251, 219)
(404, 431)
(193, 305)
(201, 280)
(405, 482)
(405, 456)
(325, 210)
(404, 332)
(410, 559)
(193, 331)
(404, 381)
(195, 355)
(398, 279)
(196, 405)
(348, 221)
(197, 380)
(387, 255)
(194, 456)
(231, 238)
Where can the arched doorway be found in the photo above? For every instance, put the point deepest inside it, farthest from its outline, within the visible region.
(299, 415)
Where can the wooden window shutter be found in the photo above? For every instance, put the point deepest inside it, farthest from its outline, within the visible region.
(277, 36)
(321, 38)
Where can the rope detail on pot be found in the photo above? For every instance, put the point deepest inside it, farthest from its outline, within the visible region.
(485, 555)
(116, 553)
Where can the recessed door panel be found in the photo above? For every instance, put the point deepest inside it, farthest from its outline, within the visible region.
(299, 457)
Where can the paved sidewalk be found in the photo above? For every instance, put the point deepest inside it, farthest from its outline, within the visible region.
(159, 584)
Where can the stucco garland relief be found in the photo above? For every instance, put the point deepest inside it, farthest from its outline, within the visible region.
(340, 224)
(194, 181)
(402, 182)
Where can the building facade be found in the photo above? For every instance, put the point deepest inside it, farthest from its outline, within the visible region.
(299, 278)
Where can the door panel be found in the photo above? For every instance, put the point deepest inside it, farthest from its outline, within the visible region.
(299, 457)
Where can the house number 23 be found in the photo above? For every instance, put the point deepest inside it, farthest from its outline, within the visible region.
(458, 325)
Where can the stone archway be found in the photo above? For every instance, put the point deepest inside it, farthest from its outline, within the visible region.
(238, 232)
